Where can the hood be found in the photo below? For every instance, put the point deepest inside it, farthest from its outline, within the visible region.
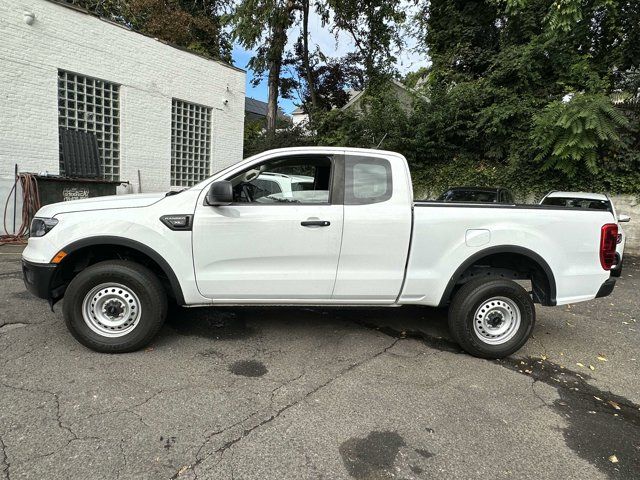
(101, 203)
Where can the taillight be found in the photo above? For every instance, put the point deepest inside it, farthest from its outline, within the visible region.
(608, 241)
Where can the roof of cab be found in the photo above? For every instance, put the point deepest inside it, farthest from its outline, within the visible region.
(331, 150)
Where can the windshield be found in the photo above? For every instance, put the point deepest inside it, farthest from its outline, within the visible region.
(578, 203)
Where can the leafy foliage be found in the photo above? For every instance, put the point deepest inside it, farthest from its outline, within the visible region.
(570, 133)
(500, 71)
(374, 26)
(196, 25)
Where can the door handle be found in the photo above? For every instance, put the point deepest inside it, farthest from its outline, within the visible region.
(315, 223)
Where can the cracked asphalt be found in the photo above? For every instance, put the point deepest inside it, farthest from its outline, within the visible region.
(315, 393)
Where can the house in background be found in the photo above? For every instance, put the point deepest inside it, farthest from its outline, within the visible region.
(158, 113)
(404, 95)
(299, 117)
(255, 111)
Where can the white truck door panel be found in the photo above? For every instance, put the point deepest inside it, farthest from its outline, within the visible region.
(377, 230)
(263, 252)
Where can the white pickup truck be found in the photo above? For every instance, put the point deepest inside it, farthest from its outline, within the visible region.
(348, 233)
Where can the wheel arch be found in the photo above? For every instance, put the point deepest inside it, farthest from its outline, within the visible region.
(110, 247)
(541, 274)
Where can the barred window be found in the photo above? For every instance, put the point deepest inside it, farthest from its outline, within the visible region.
(92, 105)
(190, 143)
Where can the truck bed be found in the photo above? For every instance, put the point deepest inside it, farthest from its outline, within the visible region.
(446, 235)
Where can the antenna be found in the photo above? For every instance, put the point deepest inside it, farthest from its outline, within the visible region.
(382, 140)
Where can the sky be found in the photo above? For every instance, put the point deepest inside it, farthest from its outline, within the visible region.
(408, 58)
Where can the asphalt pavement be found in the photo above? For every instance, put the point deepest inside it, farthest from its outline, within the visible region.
(320, 393)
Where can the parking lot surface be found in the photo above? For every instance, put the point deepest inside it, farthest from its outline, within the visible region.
(319, 393)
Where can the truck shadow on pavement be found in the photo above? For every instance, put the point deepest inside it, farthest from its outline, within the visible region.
(601, 427)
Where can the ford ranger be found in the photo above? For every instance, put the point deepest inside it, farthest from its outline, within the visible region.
(339, 227)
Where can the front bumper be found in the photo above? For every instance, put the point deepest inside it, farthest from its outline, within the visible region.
(37, 278)
(606, 288)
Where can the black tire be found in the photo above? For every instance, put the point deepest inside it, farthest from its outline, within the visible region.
(468, 300)
(140, 280)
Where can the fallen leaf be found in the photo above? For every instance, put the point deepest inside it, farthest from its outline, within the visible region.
(602, 358)
(613, 459)
(579, 364)
(614, 404)
(591, 367)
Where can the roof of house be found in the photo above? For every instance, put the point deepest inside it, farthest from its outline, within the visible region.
(258, 107)
(72, 6)
(355, 94)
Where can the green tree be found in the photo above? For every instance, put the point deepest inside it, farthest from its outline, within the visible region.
(500, 71)
(568, 133)
(263, 25)
(196, 25)
(375, 27)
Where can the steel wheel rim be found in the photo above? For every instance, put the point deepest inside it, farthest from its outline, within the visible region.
(497, 320)
(111, 310)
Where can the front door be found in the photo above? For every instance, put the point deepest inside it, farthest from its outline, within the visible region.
(279, 241)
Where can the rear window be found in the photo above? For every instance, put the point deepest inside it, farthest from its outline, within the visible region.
(367, 180)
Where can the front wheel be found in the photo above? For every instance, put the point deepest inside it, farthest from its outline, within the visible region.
(115, 306)
(491, 318)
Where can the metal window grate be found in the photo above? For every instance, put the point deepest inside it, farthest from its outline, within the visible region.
(91, 105)
(190, 143)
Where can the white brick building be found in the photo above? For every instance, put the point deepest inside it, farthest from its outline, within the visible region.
(173, 115)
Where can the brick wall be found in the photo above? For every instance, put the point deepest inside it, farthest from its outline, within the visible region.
(150, 74)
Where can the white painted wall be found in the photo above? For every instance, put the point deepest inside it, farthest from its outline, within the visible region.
(150, 74)
(629, 205)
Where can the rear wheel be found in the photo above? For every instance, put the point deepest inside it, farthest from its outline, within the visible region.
(491, 318)
(115, 306)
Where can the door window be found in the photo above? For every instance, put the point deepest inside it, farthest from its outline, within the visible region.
(285, 180)
(368, 180)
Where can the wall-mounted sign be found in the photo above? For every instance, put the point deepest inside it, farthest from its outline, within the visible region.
(74, 193)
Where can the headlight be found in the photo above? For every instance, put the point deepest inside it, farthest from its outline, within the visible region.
(41, 226)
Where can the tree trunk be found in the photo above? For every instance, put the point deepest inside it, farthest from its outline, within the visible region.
(276, 51)
(307, 66)
(272, 101)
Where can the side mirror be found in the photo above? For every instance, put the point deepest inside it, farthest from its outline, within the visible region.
(220, 193)
(622, 218)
